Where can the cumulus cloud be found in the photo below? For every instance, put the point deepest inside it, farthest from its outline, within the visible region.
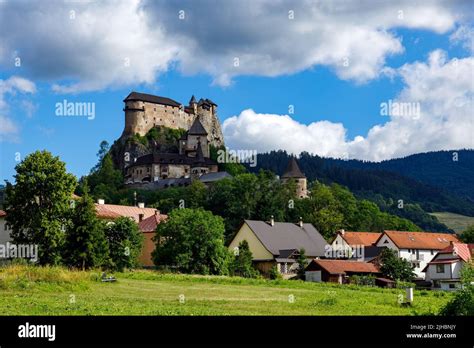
(11, 86)
(442, 88)
(84, 46)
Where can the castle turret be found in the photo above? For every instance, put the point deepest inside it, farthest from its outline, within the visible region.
(199, 167)
(293, 172)
(197, 134)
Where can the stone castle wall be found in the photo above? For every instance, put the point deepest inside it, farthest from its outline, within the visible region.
(141, 116)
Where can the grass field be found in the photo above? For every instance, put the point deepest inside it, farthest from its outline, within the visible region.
(55, 291)
(457, 222)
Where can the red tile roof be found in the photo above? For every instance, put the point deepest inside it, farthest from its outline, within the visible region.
(149, 224)
(3, 213)
(462, 250)
(343, 266)
(113, 211)
(421, 240)
(360, 238)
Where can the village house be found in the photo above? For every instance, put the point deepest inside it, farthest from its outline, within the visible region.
(443, 271)
(146, 218)
(347, 243)
(278, 244)
(419, 248)
(339, 271)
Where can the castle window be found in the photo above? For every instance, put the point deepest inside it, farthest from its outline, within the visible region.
(154, 109)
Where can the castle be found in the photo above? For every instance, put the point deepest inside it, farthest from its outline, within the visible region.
(156, 168)
(145, 111)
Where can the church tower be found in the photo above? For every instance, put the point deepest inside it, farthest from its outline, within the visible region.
(293, 172)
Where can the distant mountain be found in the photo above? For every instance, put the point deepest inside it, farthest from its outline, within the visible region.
(430, 182)
(452, 171)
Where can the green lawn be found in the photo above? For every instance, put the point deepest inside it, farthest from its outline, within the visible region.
(151, 293)
(457, 222)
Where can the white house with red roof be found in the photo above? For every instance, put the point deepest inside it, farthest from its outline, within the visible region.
(443, 271)
(419, 248)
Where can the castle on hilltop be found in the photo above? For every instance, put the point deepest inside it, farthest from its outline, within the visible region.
(145, 111)
(154, 165)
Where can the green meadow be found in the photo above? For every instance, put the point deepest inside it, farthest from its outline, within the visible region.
(26, 290)
(459, 223)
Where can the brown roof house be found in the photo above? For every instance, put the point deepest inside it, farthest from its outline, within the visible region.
(146, 218)
(338, 271)
(358, 245)
(278, 244)
(419, 248)
(443, 271)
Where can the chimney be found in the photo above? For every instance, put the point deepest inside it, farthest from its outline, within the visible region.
(140, 217)
(141, 205)
(301, 222)
(100, 201)
(342, 232)
(272, 221)
(157, 212)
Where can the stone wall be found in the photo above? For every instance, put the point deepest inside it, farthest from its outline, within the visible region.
(141, 116)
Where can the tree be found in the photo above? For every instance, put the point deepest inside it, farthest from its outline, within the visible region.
(394, 267)
(125, 243)
(103, 150)
(302, 263)
(193, 241)
(38, 204)
(86, 245)
(242, 264)
(468, 235)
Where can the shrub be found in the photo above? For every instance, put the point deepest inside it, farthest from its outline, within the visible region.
(274, 274)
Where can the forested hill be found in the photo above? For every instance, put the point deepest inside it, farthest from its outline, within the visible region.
(452, 171)
(386, 186)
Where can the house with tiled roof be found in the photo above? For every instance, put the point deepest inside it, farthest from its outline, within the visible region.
(278, 244)
(146, 218)
(443, 271)
(339, 271)
(148, 227)
(345, 243)
(419, 248)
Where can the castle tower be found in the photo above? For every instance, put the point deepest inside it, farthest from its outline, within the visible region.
(199, 167)
(197, 135)
(293, 172)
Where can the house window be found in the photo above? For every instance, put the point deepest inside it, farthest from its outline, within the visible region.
(440, 268)
(283, 268)
(452, 286)
(432, 252)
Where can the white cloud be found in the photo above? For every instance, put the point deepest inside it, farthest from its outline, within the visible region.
(8, 128)
(90, 52)
(443, 88)
(464, 35)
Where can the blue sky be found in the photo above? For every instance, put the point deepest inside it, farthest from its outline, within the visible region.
(332, 106)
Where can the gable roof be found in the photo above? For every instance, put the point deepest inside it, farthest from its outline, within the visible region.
(344, 266)
(149, 224)
(150, 98)
(462, 250)
(360, 238)
(421, 240)
(113, 211)
(293, 170)
(197, 128)
(287, 235)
